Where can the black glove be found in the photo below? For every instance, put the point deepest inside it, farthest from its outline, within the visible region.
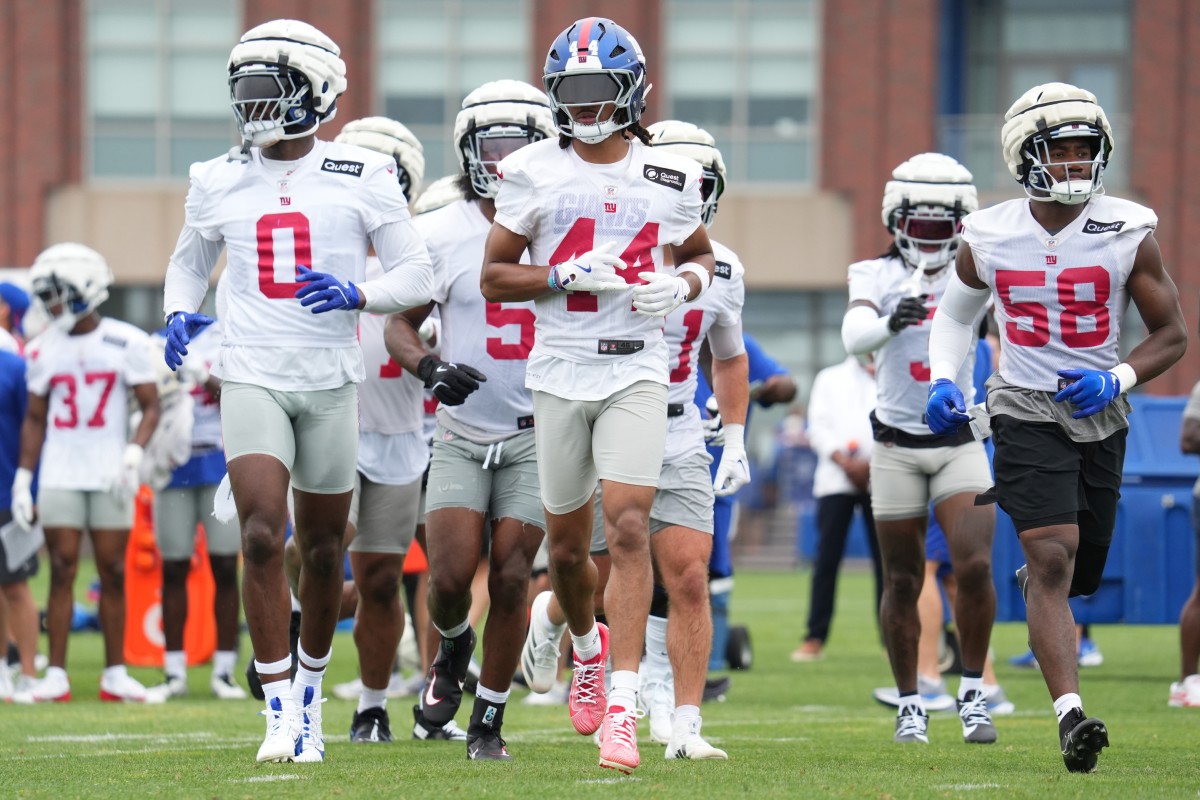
(911, 311)
(451, 383)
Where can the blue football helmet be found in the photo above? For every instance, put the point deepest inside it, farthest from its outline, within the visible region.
(595, 66)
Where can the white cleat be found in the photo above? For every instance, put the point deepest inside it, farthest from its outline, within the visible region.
(312, 739)
(400, 686)
(1185, 693)
(225, 688)
(656, 695)
(350, 690)
(171, 687)
(55, 687)
(127, 689)
(23, 690)
(282, 741)
(6, 684)
(539, 656)
(686, 742)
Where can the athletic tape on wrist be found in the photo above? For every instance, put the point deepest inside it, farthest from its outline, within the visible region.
(700, 272)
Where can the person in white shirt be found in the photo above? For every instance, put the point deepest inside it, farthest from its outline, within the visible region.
(595, 210)
(839, 428)
(890, 300)
(1061, 266)
(484, 465)
(82, 369)
(296, 215)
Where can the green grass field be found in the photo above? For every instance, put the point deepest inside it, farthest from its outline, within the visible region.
(791, 730)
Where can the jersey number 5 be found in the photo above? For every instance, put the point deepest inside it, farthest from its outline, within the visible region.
(1037, 316)
(582, 238)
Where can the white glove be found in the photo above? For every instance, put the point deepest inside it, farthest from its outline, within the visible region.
(661, 295)
(714, 434)
(734, 470)
(22, 499)
(131, 463)
(594, 271)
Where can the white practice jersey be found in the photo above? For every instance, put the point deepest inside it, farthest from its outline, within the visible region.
(319, 212)
(87, 380)
(205, 348)
(685, 331)
(494, 338)
(902, 363)
(590, 346)
(1059, 298)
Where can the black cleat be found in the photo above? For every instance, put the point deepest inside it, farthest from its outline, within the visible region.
(715, 689)
(424, 730)
(1082, 741)
(487, 747)
(371, 725)
(444, 683)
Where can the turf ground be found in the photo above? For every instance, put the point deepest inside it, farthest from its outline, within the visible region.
(792, 730)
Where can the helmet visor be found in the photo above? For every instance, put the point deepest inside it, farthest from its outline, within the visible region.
(587, 89)
(928, 230)
(498, 141)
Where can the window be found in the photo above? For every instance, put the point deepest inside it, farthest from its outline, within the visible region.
(746, 71)
(433, 54)
(156, 95)
(1012, 46)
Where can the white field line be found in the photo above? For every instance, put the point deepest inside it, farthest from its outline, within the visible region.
(967, 787)
(628, 779)
(121, 737)
(269, 778)
(231, 744)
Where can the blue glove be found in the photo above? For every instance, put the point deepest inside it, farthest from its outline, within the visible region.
(945, 411)
(323, 288)
(1090, 389)
(181, 327)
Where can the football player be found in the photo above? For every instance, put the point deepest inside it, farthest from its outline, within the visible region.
(296, 215)
(594, 209)
(82, 369)
(1061, 266)
(890, 300)
(484, 466)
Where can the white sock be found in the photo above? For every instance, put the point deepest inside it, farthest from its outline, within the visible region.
(913, 701)
(624, 690)
(685, 714)
(281, 691)
(1065, 703)
(175, 664)
(456, 631)
(969, 685)
(586, 647)
(372, 698)
(490, 695)
(114, 673)
(224, 662)
(656, 644)
(309, 672)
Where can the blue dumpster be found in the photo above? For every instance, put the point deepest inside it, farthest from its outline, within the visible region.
(1151, 565)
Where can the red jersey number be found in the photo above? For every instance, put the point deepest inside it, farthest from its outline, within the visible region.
(1036, 331)
(297, 223)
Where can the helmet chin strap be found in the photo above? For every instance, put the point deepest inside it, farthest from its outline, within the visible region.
(1072, 192)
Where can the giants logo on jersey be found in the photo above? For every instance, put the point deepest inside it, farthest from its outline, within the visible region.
(625, 220)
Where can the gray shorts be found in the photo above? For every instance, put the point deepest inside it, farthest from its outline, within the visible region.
(905, 479)
(177, 512)
(384, 516)
(498, 480)
(314, 434)
(95, 510)
(684, 496)
(619, 438)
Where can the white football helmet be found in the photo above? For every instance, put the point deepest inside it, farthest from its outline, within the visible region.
(923, 207)
(70, 281)
(1056, 111)
(441, 192)
(498, 118)
(389, 137)
(691, 141)
(285, 77)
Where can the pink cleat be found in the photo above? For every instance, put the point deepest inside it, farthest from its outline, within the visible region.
(618, 740)
(587, 700)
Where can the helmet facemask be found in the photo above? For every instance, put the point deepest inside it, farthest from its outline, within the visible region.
(482, 149)
(271, 103)
(1041, 185)
(926, 235)
(711, 187)
(593, 92)
(62, 301)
